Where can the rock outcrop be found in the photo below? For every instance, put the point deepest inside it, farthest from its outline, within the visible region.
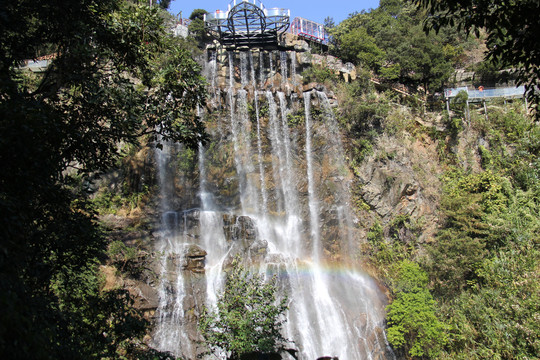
(400, 181)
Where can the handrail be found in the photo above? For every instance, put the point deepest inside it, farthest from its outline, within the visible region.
(482, 93)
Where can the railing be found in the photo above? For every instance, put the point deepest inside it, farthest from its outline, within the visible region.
(247, 23)
(309, 30)
(276, 12)
(480, 94)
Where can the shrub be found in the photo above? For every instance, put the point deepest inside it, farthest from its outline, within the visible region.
(248, 317)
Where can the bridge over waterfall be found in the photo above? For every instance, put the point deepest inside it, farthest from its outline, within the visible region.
(247, 24)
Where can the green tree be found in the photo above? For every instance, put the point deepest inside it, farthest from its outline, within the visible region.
(197, 28)
(511, 28)
(164, 4)
(390, 42)
(106, 86)
(412, 323)
(498, 318)
(360, 48)
(329, 23)
(424, 61)
(248, 317)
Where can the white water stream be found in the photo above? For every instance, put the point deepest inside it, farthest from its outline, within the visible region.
(290, 199)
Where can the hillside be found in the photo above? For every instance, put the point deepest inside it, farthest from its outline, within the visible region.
(148, 178)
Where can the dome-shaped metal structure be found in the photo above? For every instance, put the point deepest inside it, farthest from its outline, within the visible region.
(247, 24)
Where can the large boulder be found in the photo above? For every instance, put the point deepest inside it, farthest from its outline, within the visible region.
(239, 228)
(145, 296)
(194, 258)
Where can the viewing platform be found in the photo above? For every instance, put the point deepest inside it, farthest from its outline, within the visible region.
(481, 94)
(309, 30)
(247, 23)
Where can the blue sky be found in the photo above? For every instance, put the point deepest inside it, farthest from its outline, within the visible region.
(315, 10)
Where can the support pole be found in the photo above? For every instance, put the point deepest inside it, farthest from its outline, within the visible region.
(485, 110)
(467, 112)
(448, 106)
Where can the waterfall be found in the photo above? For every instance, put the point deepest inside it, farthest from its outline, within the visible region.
(312, 199)
(283, 65)
(170, 334)
(271, 64)
(212, 236)
(261, 69)
(293, 67)
(260, 154)
(243, 68)
(343, 209)
(277, 151)
(273, 186)
(211, 70)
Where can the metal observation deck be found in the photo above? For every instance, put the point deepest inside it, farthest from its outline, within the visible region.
(487, 94)
(309, 30)
(247, 24)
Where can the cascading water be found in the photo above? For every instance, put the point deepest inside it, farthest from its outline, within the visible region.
(273, 186)
(283, 61)
(170, 334)
(293, 68)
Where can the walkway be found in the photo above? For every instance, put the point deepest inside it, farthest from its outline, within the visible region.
(486, 94)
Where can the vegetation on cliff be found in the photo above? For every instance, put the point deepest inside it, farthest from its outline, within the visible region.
(114, 68)
(249, 316)
(468, 290)
(475, 275)
(390, 42)
(472, 281)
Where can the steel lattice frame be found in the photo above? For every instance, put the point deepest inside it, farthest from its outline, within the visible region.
(247, 24)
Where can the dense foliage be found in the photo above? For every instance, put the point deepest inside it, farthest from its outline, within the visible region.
(484, 265)
(248, 318)
(107, 85)
(512, 28)
(412, 322)
(472, 291)
(390, 42)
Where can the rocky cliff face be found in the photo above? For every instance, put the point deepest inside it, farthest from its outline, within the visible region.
(398, 181)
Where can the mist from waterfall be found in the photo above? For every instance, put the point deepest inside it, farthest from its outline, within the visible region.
(277, 192)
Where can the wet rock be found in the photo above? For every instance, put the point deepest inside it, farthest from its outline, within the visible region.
(310, 86)
(194, 251)
(194, 258)
(303, 58)
(239, 228)
(257, 251)
(145, 297)
(376, 337)
(259, 247)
